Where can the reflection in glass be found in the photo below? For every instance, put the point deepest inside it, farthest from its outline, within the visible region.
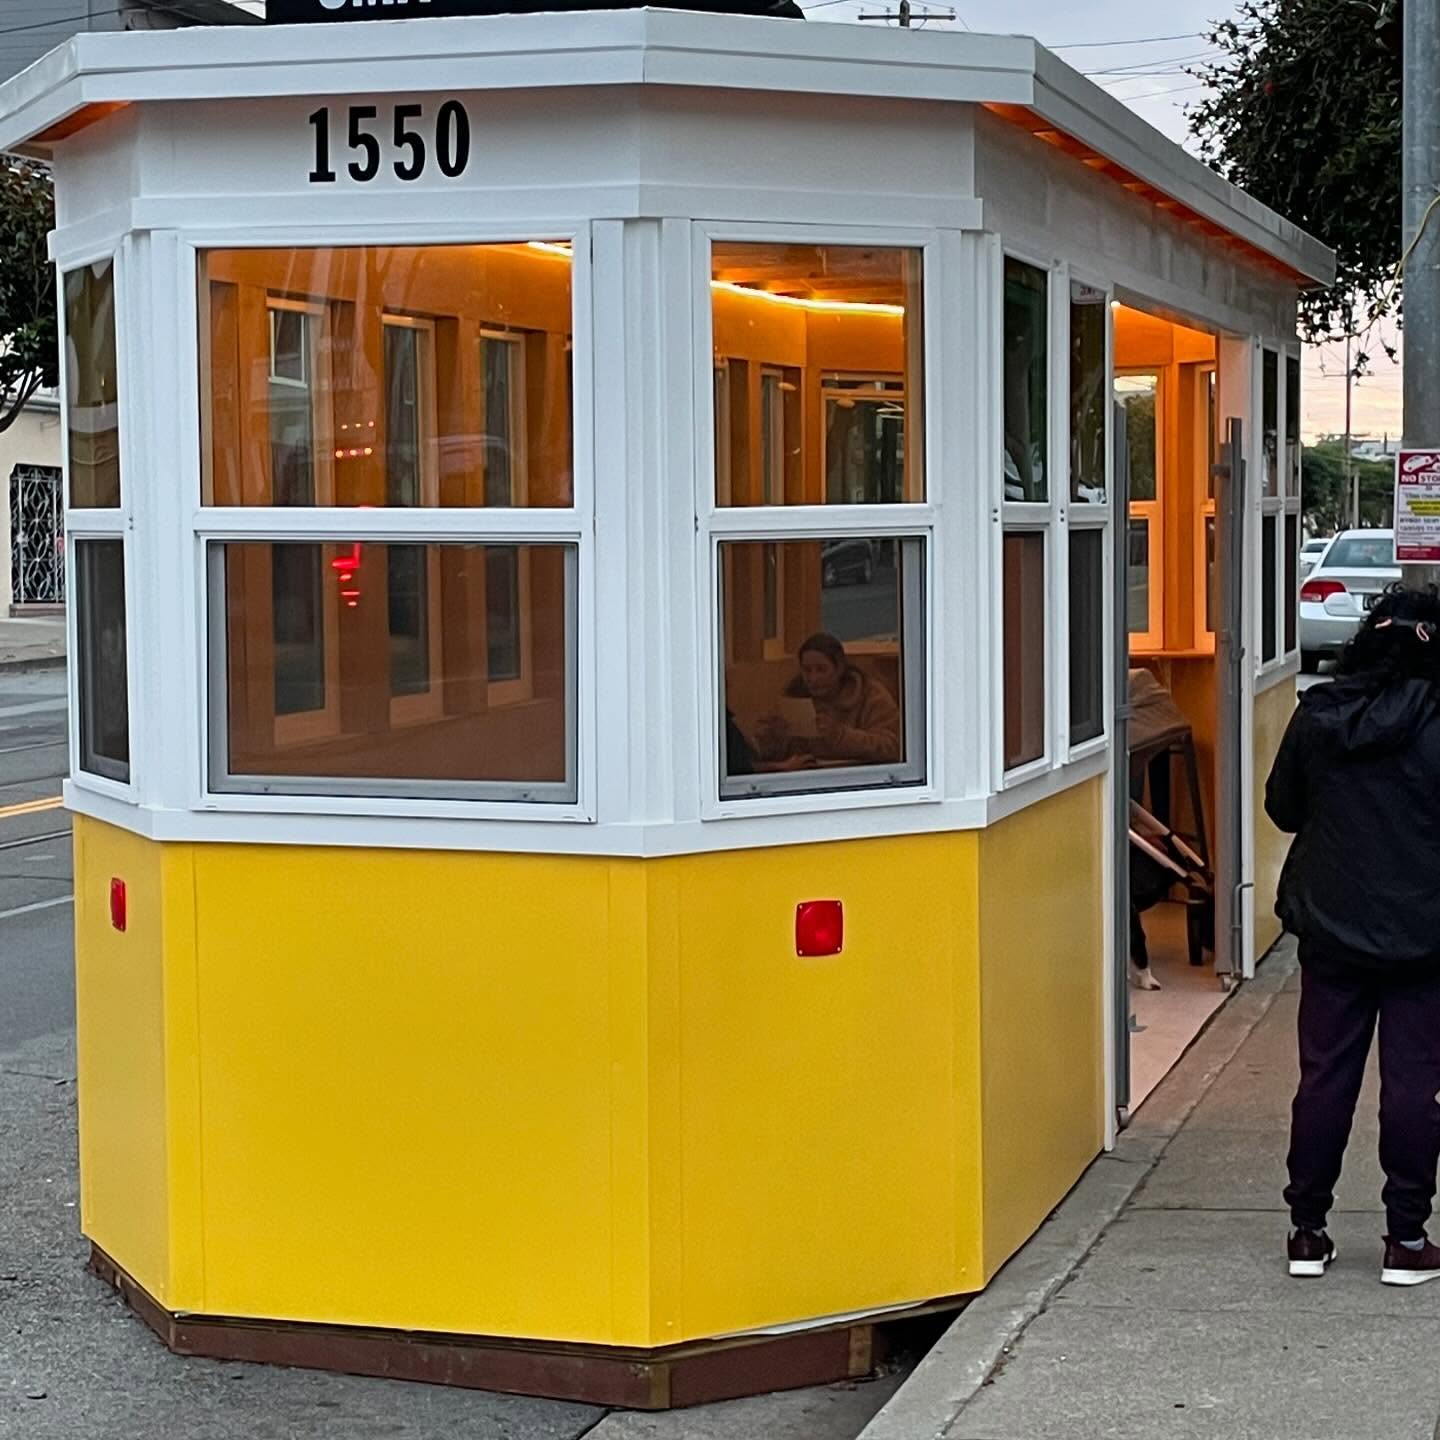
(303, 350)
(1292, 581)
(102, 668)
(1270, 429)
(1138, 577)
(807, 333)
(1024, 618)
(835, 695)
(1292, 424)
(1140, 397)
(1212, 592)
(1089, 327)
(1027, 360)
(289, 720)
(408, 423)
(1212, 420)
(1087, 634)
(92, 406)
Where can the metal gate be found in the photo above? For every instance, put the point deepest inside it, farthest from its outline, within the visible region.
(37, 536)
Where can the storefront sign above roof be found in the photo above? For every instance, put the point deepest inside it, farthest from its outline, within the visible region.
(300, 12)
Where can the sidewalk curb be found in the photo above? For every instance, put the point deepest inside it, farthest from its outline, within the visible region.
(928, 1405)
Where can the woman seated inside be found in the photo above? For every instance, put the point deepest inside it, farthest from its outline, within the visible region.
(856, 719)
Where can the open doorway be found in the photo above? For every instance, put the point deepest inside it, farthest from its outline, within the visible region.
(1167, 397)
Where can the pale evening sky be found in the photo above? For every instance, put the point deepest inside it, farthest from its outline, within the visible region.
(1145, 69)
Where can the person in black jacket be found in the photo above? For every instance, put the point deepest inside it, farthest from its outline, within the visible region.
(1357, 781)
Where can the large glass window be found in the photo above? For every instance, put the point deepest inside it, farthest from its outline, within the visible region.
(102, 674)
(392, 379)
(1269, 612)
(1027, 373)
(309, 656)
(92, 407)
(1089, 394)
(1292, 425)
(346, 332)
(818, 356)
(840, 703)
(1025, 659)
(1138, 395)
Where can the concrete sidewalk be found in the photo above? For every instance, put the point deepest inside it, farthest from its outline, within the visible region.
(32, 643)
(1156, 1302)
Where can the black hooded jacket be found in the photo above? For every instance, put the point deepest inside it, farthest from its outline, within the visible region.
(1357, 781)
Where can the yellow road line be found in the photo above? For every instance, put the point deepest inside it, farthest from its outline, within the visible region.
(31, 807)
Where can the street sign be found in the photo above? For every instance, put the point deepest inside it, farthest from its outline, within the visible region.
(1417, 507)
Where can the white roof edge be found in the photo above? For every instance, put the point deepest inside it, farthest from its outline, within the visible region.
(660, 47)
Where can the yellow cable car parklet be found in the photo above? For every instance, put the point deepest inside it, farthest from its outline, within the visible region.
(608, 553)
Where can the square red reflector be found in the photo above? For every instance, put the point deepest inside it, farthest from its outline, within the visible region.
(117, 904)
(819, 927)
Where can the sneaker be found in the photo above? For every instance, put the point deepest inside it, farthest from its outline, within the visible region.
(1409, 1267)
(1311, 1253)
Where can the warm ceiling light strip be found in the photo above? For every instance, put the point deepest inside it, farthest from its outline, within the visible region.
(801, 302)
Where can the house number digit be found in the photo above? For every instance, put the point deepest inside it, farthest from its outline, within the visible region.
(410, 155)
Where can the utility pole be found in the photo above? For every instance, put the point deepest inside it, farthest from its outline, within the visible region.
(1422, 271)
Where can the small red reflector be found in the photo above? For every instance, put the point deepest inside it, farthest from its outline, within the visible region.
(1318, 591)
(819, 927)
(117, 904)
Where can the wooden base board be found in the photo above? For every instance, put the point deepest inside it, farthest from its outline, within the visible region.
(665, 1378)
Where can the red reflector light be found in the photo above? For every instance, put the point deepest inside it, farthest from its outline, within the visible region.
(819, 927)
(1318, 591)
(117, 904)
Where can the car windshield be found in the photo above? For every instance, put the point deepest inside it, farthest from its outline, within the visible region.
(1360, 552)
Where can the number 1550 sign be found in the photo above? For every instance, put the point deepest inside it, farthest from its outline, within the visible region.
(408, 145)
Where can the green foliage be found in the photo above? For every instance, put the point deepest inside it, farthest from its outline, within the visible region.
(1306, 116)
(28, 349)
(1326, 496)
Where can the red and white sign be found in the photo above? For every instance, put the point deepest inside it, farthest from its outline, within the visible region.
(1417, 507)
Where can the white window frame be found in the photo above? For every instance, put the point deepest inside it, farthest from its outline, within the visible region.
(868, 786)
(1076, 516)
(1042, 517)
(209, 527)
(1274, 508)
(89, 523)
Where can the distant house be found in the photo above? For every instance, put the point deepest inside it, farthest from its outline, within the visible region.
(31, 505)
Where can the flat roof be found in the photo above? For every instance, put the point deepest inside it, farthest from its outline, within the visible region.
(93, 74)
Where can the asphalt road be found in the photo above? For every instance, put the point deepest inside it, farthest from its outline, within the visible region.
(74, 1364)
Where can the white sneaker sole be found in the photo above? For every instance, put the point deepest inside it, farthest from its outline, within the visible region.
(1313, 1269)
(1408, 1277)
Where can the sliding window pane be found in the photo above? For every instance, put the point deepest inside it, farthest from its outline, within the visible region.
(1269, 610)
(1024, 639)
(92, 384)
(828, 695)
(1087, 635)
(1137, 566)
(388, 375)
(1292, 425)
(102, 672)
(1139, 396)
(821, 352)
(371, 669)
(1027, 361)
(1270, 427)
(1089, 398)
(1292, 582)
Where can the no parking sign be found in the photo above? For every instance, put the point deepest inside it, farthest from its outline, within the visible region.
(1417, 507)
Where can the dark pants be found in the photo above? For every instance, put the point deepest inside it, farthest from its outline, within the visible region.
(1338, 1011)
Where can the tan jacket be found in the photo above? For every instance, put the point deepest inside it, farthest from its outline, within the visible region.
(868, 721)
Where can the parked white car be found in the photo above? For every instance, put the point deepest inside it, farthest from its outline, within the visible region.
(1310, 553)
(1351, 576)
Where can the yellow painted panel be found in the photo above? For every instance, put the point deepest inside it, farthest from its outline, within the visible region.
(820, 1098)
(1042, 918)
(406, 1081)
(1273, 710)
(120, 1038)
